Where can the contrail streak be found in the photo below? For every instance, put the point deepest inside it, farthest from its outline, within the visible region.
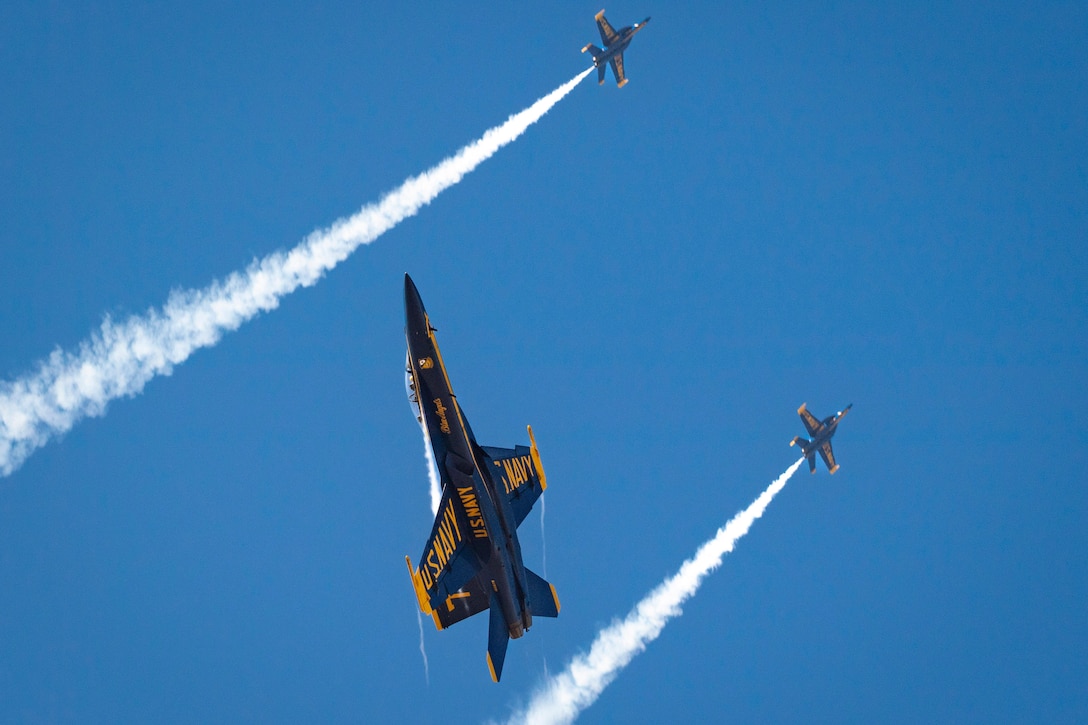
(422, 649)
(432, 471)
(120, 358)
(564, 696)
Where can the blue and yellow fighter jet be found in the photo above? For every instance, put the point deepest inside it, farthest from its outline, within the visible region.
(614, 45)
(472, 560)
(820, 442)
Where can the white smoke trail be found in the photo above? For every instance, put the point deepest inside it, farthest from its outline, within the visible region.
(422, 649)
(564, 696)
(432, 471)
(119, 359)
(436, 499)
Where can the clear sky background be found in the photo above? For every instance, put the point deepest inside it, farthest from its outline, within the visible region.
(832, 203)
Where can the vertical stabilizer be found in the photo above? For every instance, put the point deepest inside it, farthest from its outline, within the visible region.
(498, 636)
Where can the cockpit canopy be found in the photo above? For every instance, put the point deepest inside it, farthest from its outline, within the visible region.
(410, 389)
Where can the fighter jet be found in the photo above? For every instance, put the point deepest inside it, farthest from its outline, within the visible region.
(472, 560)
(614, 45)
(820, 442)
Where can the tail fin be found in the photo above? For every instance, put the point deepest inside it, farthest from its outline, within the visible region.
(498, 636)
(542, 596)
(812, 462)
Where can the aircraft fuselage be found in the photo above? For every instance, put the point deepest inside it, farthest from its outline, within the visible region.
(830, 425)
(465, 465)
(626, 36)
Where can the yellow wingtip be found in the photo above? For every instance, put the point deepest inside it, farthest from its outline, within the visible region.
(535, 453)
(491, 668)
(417, 585)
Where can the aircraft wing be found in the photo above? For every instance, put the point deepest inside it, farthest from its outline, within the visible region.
(518, 474)
(608, 34)
(829, 457)
(617, 68)
(811, 424)
(449, 560)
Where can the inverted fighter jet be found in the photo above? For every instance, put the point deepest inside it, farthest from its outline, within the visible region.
(472, 561)
(820, 442)
(614, 45)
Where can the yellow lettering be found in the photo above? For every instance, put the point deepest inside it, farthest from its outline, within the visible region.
(425, 577)
(472, 511)
(438, 549)
(447, 539)
(452, 515)
(444, 424)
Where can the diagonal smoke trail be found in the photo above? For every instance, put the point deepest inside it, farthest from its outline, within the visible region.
(422, 649)
(120, 358)
(567, 694)
(432, 472)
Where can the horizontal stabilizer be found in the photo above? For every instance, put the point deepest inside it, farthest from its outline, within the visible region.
(498, 636)
(594, 50)
(812, 462)
(542, 596)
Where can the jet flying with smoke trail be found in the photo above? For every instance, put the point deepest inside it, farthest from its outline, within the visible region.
(120, 358)
(568, 693)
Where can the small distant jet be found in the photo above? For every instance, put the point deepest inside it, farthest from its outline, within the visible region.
(821, 432)
(614, 45)
(472, 560)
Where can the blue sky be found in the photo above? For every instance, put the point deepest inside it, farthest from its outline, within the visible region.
(883, 205)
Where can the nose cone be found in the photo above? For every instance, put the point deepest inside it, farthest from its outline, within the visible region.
(414, 314)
